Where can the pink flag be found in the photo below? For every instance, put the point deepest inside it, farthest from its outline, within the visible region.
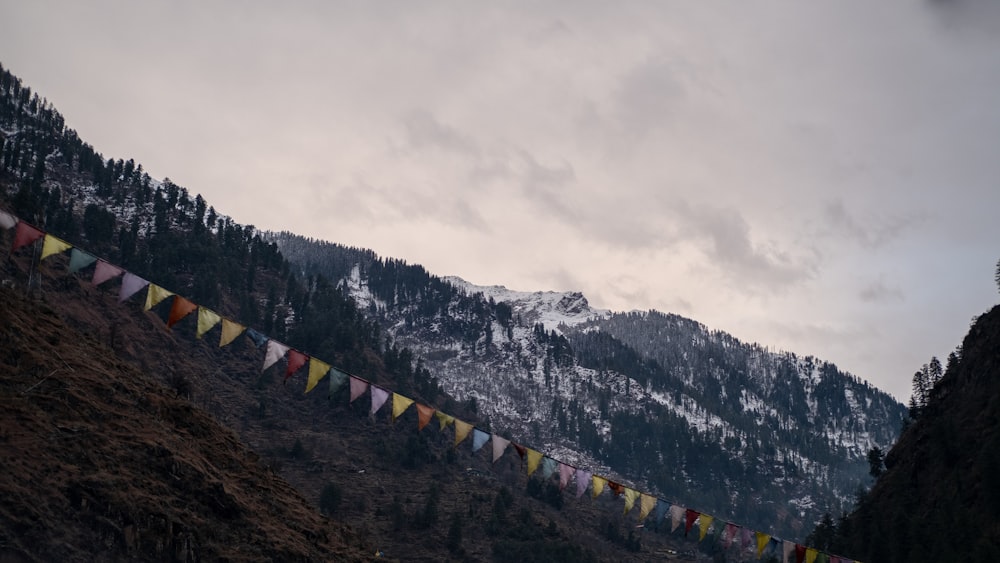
(499, 445)
(358, 387)
(565, 472)
(730, 534)
(379, 397)
(104, 272)
(131, 284)
(7, 221)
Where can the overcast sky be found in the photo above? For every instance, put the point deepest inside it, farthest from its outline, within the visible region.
(820, 177)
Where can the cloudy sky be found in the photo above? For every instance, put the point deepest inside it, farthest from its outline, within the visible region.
(821, 177)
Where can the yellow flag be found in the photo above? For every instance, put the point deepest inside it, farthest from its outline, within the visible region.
(646, 504)
(53, 245)
(704, 523)
(811, 555)
(230, 331)
(444, 419)
(630, 496)
(317, 371)
(762, 540)
(399, 405)
(207, 318)
(155, 294)
(597, 485)
(534, 458)
(462, 430)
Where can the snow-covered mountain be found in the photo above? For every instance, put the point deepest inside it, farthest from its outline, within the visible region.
(656, 399)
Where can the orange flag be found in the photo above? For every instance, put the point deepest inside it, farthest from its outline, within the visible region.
(424, 414)
(180, 309)
(25, 235)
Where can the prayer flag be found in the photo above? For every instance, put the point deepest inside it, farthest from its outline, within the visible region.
(53, 245)
(337, 380)
(230, 330)
(131, 284)
(499, 446)
(565, 474)
(787, 551)
(597, 486)
(424, 414)
(7, 221)
(399, 405)
(762, 541)
(704, 523)
(296, 360)
(207, 318)
(79, 260)
(462, 430)
(25, 235)
(676, 517)
(479, 439)
(534, 458)
(631, 495)
(646, 504)
(275, 351)
(443, 419)
(104, 272)
(317, 371)
(582, 480)
(180, 309)
(689, 517)
(259, 339)
(379, 397)
(549, 467)
(811, 555)
(155, 294)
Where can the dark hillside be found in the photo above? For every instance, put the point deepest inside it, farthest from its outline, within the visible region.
(939, 499)
(101, 462)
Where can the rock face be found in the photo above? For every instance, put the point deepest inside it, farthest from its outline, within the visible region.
(939, 499)
(101, 462)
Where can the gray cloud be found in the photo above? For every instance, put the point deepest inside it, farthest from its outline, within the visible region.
(878, 292)
(872, 232)
(423, 130)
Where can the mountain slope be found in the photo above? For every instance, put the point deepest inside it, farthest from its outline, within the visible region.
(939, 499)
(772, 439)
(103, 463)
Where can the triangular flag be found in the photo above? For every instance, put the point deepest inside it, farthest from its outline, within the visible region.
(444, 419)
(800, 553)
(676, 517)
(787, 551)
(399, 405)
(704, 523)
(207, 319)
(275, 351)
(317, 371)
(104, 272)
(521, 450)
(131, 284)
(180, 309)
(25, 235)
(774, 547)
(462, 430)
(424, 414)
(730, 534)
(662, 508)
(155, 294)
(565, 474)
(811, 555)
(534, 458)
(258, 338)
(597, 486)
(549, 467)
(53, 245)
(631, 495)
(230, 330)
(582, 481)
(689, 517)
(746, 538)
(379, 397)
(646, 504)
(7, 221)
(499, 445)
(479, 439)
(79, 260)
(616, 488)
(296, 360)
(762, 541)
(337, 380)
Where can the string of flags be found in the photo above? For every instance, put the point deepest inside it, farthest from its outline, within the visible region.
(727, 534)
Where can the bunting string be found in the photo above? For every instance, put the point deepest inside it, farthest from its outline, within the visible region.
(727, 534)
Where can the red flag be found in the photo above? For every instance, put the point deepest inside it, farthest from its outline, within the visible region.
(616, 488)
(296, 360)
(800, 553)
(689, 517)
(424, 414)
(521, 450)
(25, 235)
(180, 309)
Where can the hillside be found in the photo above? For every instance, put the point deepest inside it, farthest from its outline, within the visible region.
(939, 498)
(103, 463)
(769, 438)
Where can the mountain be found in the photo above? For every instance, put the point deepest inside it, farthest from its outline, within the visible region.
(102, 462)
(542, 368)
(939, 497)
(772, 439)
